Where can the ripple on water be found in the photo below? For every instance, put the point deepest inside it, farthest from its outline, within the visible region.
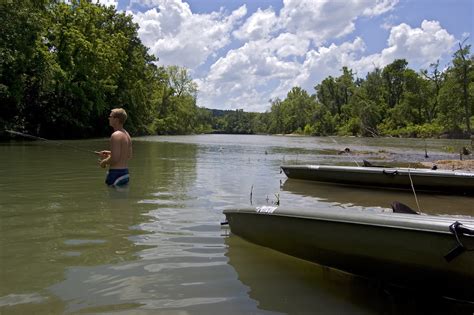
(83, 242)
(16, 299)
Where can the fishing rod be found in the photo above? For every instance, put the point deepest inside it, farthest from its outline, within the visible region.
(16, 133)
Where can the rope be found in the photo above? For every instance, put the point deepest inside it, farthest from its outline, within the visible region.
(413, 189)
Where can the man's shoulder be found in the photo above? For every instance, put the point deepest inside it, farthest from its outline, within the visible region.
(119, 135)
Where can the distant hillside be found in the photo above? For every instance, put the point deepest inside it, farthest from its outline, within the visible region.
(220, 112)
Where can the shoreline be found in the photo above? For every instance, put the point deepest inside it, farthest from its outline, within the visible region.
(465, 165)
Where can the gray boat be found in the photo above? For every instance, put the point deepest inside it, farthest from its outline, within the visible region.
(454, 182)
(422, 251)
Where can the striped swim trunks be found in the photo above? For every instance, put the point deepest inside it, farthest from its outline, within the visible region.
(117, 177)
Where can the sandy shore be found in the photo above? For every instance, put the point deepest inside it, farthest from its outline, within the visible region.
(465, 165)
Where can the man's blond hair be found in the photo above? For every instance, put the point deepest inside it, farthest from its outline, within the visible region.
(121, 114)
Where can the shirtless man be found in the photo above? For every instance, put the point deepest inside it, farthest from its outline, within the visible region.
(120, 150)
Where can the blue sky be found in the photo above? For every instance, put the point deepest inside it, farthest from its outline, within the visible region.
(244, 53)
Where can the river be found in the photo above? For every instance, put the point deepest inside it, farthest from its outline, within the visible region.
(69, 244)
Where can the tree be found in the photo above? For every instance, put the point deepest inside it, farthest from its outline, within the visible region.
(276, 117)
(180, 81)
(414, 104)
(328, 95)
(67, 65)
(24, 64)
(464, 76)
(346, 86)
(366, 108)
(436, 79)
(393, 77)
(456, 95)
(297, 109)
(177, 112)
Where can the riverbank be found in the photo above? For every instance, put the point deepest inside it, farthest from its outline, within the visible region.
(465, 165)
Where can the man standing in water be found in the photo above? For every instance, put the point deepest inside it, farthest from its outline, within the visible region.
(120, 150)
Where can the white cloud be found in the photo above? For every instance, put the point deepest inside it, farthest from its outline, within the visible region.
(278, 49)
(327, 61)
(259, 25)
(321, 20)
(244, 77)
(419, 46)
(258, 65)
(423, 45)
(380, 7)
(280, 52)
(318, 20)
(179, 37)
(287, 44)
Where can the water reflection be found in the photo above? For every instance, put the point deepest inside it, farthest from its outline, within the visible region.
(288, 285)
(159, 166)
(349, 196)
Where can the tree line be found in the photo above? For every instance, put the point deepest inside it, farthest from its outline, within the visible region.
(64, 66)
(393, 101)
(390, 101)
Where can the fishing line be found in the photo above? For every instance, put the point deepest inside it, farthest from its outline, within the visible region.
(350, 154)
(413, 189)
(409, 175)
(16, 133)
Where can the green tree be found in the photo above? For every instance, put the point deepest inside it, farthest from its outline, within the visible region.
(177, 112)
(456, 96)
(238, 122)
(328, 95)
(435, 77)
(102, 65)
(366, 108)
(276, 124)
(413, 107)
(393, 78)
(25, 68)
(297, 109)
(65, 65)
(335, 95)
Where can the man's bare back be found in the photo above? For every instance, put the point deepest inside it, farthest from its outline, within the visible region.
(120, 149)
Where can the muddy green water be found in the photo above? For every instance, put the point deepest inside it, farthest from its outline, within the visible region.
(69, 244)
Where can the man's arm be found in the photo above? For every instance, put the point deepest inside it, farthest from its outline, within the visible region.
(103, 154)
(113, 155)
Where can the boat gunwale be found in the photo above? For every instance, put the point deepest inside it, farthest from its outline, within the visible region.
(413, 222)
(377, 170)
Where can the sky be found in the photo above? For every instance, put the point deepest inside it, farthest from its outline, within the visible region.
(243, 54)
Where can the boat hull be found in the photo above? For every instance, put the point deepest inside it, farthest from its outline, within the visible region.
(401, 250)
(401, 178)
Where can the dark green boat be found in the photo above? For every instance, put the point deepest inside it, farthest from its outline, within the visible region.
(443, 181)
(430, 252)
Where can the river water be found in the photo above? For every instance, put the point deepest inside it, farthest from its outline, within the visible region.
(69, 244)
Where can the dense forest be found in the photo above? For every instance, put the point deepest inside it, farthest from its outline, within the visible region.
(64, 66)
